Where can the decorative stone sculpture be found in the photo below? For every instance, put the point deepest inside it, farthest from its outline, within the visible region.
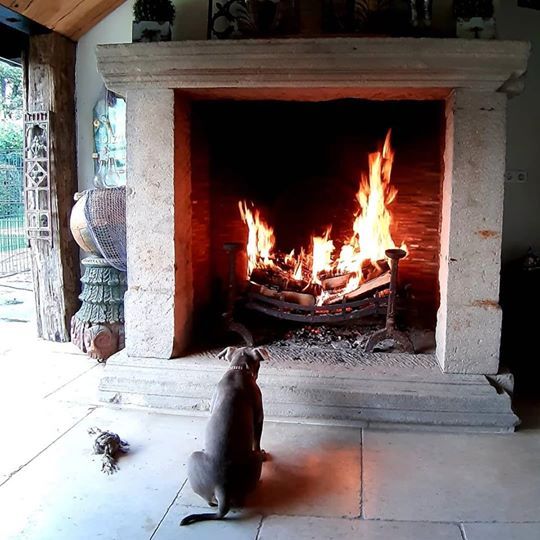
(98, 327)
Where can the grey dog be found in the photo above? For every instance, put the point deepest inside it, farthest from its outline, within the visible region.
(230, 465)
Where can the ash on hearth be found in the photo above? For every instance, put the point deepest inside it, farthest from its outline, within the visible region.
(328, 336)
(350, 337)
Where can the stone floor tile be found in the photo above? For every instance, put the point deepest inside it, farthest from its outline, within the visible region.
(313, 470)
(241, 525)
(451, 477)
(310, 528)
(502, 531)
(17, 305)
(84, 389)
(32, 426)
(63, 494)
(33, 368)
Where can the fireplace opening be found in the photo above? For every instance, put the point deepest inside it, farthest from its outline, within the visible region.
(296, 168)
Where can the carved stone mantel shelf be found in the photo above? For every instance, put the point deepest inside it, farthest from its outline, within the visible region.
(310, 63)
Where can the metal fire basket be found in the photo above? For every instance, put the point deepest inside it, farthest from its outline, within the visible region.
(378, 301)
(376, 304)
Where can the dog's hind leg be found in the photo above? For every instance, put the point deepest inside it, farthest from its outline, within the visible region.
(253, 470)
(247, 477)
(201, 477)
(223, 508)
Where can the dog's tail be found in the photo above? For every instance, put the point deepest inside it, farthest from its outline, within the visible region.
(223, 508)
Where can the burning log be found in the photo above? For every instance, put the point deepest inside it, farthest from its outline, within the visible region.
(369, 271)
(336, 282)
(313, 291)
(277, 278)
(380, 281)
(303, 299)
(366, 287)
(275, 282)
(372, 270)
(271, 276)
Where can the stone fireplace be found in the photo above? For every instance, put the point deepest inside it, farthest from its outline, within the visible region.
(451, 93)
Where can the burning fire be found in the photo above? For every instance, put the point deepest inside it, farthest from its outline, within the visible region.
(261, 239)
(364, 249)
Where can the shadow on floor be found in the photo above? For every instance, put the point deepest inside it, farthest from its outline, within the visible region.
(528, 410)
(296, 482)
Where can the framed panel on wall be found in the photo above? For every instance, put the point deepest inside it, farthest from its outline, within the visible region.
(234, 19)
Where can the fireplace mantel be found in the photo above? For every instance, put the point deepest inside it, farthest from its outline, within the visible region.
(369, 63)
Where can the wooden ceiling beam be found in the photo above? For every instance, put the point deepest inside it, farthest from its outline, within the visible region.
(71, 18)
(85, 17)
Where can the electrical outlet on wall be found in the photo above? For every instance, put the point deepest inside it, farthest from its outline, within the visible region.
(516, 177)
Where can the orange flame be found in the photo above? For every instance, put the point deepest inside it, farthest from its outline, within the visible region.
(298, 273)
(368, 242)
(371, 228)
(260, 244)
(322, 255)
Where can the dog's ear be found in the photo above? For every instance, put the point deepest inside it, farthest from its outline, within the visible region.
(225, 353)
(261, 353)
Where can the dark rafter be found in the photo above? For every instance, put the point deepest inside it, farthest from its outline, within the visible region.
(14, 32)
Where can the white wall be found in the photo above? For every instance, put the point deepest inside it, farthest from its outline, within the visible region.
(522, 201)
(190, 23)
(116, 28)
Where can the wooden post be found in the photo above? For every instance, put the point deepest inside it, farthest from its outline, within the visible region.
(50, 86)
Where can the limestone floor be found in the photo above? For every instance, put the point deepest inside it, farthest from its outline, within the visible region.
(321, 483)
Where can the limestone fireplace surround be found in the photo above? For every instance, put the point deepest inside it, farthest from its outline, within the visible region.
(159, 81)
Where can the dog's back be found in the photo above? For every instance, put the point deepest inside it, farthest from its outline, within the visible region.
(229, 433)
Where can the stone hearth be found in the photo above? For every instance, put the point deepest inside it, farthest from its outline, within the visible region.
(161, 80)
(398, 391)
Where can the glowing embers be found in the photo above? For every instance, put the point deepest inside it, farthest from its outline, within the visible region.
(321, 274)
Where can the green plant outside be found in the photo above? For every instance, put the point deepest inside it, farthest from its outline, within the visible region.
(11, 136)
(11, 108)
(12, 230)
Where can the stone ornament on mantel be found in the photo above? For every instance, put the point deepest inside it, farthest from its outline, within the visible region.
(151, 31)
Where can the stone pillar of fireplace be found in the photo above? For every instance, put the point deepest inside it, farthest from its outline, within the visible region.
(469, 317)
(158, 300)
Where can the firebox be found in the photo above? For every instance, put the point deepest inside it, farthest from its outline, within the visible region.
(312, 193)
(220, 132)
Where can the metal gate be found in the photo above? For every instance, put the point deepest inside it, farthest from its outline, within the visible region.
(14, 250)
